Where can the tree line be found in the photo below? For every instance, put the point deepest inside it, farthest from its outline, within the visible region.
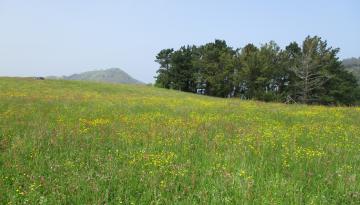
(310, 73)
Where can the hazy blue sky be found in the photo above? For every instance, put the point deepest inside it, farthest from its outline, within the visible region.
(39, 38)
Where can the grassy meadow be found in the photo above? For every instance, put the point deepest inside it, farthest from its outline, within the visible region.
(69, 142)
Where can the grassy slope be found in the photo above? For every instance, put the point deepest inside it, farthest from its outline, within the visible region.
(90, 143)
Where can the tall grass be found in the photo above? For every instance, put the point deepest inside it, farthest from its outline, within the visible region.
(68, 142)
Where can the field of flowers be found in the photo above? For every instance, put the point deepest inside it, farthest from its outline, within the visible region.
(68, 142)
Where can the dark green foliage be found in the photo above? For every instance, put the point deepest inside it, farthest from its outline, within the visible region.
(309, 74)
(164, 59)
(176, 69)
(216, 63)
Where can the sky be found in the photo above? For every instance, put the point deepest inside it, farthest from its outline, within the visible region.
(45, 37)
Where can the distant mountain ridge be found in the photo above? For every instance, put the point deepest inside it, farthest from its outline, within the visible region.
(111, 75)
(353, 65)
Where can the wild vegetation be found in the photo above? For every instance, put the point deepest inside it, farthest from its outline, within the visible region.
(68, 142)
(311, 73)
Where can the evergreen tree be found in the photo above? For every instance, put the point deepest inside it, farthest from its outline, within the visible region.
(216, 63)
(320, 75)
(182, 69)
(164, 59)
(250, 72)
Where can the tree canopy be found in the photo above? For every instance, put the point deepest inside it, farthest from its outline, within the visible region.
(310, 73)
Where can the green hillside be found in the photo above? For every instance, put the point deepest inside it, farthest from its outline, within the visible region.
(111, 75)
(71, 142)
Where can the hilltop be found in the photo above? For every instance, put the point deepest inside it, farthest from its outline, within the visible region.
(74, 142)
(112, 75)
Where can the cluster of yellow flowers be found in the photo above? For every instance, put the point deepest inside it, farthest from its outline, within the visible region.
(159, 160)
(86, 125)
(308, 153)
(13, 94)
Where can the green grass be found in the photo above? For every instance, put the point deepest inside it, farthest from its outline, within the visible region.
(68, 142)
